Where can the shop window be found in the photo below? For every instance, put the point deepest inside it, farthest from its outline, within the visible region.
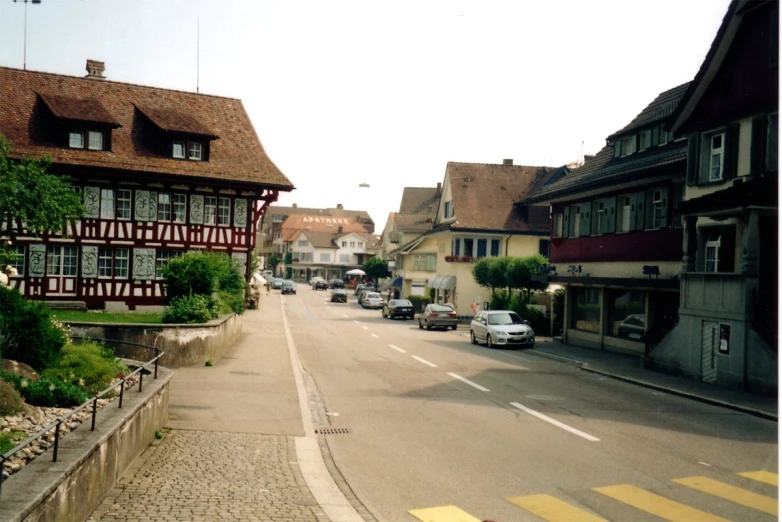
(586, 309)
(627, 314)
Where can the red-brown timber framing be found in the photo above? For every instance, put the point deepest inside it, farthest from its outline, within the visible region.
(186, 173)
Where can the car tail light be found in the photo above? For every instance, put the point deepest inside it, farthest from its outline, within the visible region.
(452, 314)
(433, 315)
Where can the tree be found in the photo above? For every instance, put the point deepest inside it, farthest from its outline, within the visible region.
(491, 272)
(273, 261)
(520, 271)
(376, 268)
(32, 200)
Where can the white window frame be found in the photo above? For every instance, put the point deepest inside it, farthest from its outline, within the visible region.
(223, 212)
(17, 258)
(625, 204)
(658, 218)
(302, 243)
(95, 140)
(107, 203)
(712, 246)
(599, 217)
(718, 152)
(163, 206)
(352, 244)
(325, 257)
(424, 262)
(625, 146)
(278, 218)
(179, 207)
(178, 149)
(123, 203)
(210, 210)
(344, 244)
(76, 139)
(559, 221)
(344, 258)
(195, 150)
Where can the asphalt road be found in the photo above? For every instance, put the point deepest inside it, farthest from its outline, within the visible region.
(444, 431)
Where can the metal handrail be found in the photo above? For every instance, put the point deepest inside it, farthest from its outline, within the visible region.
(92, 401)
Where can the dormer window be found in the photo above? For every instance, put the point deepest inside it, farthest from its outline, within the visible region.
(626, 146)
(194, 150)
(76, 140)
(179, 149)
(182, 135)
(93, 141)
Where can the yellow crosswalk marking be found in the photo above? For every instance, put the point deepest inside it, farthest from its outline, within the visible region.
(762, 476)
(656, 505)
(739, 496)
(554, 510)
(443, 514)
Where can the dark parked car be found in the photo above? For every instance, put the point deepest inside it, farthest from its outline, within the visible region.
(633, 327)
(437, 316)
(339, 295)
(320, 284)
(336, 283)
(288, 287)
(399, 308)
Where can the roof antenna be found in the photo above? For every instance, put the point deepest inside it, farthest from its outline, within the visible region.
(198, 55)
(581, 154)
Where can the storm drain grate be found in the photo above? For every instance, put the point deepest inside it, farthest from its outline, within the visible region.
(332, 431)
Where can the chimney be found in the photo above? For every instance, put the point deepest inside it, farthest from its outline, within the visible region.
(339, 206)
(95, 69)
(339, 229)
(507, 162)
(439, 188)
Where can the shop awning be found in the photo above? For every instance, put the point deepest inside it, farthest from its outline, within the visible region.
(441, 282)
(397, 282)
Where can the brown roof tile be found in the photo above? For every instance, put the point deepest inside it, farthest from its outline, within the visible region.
(237, 156)
(419, 200)
(662, 107)
(413, 222)
(322, 224)
(79, 109)
(484, 195)
(171, 120)
(320, 239)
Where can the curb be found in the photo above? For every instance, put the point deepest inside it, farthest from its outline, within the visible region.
(687, 395)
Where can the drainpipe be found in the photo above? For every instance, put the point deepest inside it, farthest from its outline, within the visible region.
(507, 240)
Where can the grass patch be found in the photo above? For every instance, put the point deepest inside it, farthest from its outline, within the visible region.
(65, 316)
(9, 440)
(209, 363)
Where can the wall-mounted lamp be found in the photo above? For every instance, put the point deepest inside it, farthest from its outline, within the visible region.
(651, 270)
(574, 269)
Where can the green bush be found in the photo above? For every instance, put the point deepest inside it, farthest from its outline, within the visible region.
(11, 401)
(89, 365)
(500, 301)
(231, 303)
(203, 274)
(419, 302)
(192, 309)
(47, 392)
(28, 333)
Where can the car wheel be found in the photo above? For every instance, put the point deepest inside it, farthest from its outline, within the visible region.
(420, 325)
(489, 344)
(453, 327)
(428, 326)
(473, 340)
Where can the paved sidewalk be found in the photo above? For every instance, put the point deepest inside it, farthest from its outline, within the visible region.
(229, 451)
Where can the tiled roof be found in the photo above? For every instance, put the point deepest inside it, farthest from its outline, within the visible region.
(171, 120)
(662, 107)
(320, 239)
(322, 224)
(484, 194)
(333, 212)
(419, 200)
(237, 156)
(413, 222)
(78, 109)
(604, 170)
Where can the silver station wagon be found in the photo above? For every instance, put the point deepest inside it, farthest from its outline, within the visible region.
(501, 328)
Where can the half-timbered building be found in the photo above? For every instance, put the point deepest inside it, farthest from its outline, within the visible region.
(162, 172)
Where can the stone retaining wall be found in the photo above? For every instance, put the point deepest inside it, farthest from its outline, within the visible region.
(183, 344)
(89, 463)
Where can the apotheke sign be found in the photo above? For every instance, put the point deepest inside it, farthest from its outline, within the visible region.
(335, 221)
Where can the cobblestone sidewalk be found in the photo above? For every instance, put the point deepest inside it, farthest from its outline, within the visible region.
(210, 476)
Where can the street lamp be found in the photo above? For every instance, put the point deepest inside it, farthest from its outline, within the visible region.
(25, 26)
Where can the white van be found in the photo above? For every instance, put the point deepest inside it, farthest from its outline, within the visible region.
(268, 274)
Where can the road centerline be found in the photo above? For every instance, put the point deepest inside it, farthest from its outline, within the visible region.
(374, 335)
(398, 349)
(555, 422)
(419, 359)
(468, 381)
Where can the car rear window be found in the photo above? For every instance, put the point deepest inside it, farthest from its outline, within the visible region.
(401, 302)
(373, 295)
(441, 308)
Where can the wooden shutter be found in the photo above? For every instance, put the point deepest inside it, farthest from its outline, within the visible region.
(666, 191)
(197, 209)
(693, 159)
(655, 136)
(640, 206)
(609, 216)
(585, 225)
(89, 262)
(152, 207)
(757, 155)
(142, 205)
(731, 151)
(92, 202)
(240, 212)
(566, 222)
(617, 148)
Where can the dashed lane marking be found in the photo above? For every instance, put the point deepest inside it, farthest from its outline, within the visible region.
(374, 335)
(398, 349)
(419, 359)
(555, 422)
(468, 381)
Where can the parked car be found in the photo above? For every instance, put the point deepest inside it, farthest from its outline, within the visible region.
(277, 283)
(633, 327)
(360, 295)
(320, 284)
(339, 295)
(268, 275)
(288, 287)
(315, 280)
(359, 288)
(372, 300)
(437, 316)
(399, 308)
(501, 327)
(336, 283)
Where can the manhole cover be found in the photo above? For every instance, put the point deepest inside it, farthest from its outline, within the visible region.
(545, 398)
(332, 431)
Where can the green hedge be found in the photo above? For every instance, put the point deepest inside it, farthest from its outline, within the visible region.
(419, 302)
(28, 333)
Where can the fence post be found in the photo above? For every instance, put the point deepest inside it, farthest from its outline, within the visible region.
(2, 470)
(121, 391)
(157, 358)
(140, 379)
(56, 440)
(94, 412)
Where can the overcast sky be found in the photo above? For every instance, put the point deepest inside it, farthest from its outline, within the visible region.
(386, 93)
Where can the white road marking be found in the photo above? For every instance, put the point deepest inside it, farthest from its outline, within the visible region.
(468, 381)
(704, 463)
(423, 361)
(332, 413)
(398, 349)
(355, 321)
(345, 315)
(556, 423)
(374, 335)
(365, 327)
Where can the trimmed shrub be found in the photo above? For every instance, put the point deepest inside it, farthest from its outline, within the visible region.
(192, 309)
(46, 392)
(231, 303)
(89, 365)
(11, 401)
(419, 302)
(28, 334)
(500, 301)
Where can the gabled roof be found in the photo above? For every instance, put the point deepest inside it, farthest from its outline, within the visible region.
(322, 224)
(483, 196)
(171, 120)
(320, 239)
(361, 215)
(238, 156)
(413, 222)
(662, 107)
(419, 200)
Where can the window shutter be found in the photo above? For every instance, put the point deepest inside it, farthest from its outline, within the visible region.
(89, 262)
(757, 155)
(655, 136)
(617, 148)
(37, 261)
(142, 205)
(566, 224)
(143, 264)
(664, 206)
(152, 206)
(92, 202)
(693, 159)
(639, 210)
(609, 216)
(586, 223)
(731, 151)
(240, 212)
(197, 209)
